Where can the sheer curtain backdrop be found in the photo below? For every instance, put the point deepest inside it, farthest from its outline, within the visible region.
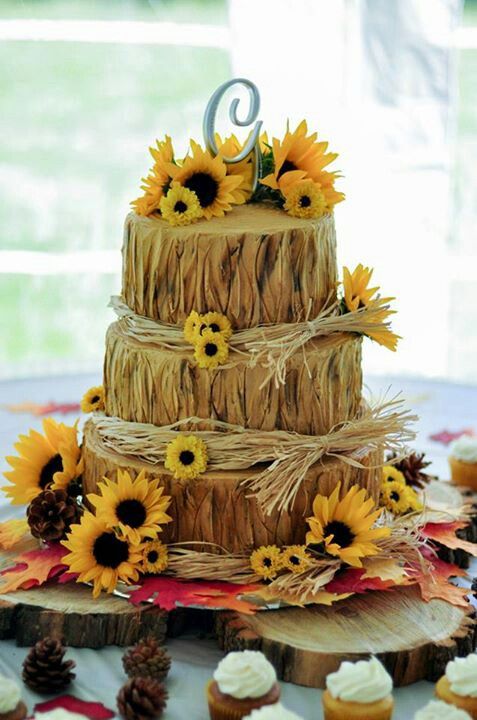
(378, 79)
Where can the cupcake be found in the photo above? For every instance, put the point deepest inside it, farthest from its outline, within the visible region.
(463, 461)
(272, 712)
(438, 710)
(358, 691)
(12, 706)
(243, 681)
(459, 684)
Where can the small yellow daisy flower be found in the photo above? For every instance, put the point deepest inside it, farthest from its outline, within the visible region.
(295, 558)
(266, 562)
(304, 199)
(93, 399)
(155, 557)
(211, 350)
(180, 206)
(398, 498)
(392, 474)
(186, 457)
(192, 326)
(217, 323)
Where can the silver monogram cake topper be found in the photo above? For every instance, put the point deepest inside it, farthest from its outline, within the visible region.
(252, 144)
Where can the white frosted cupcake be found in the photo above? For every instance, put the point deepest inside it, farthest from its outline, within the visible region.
(12, 706)
(273, 712)
(358, 691)
(458, 686)
(438, 710)
(463, 461)
(243, 681)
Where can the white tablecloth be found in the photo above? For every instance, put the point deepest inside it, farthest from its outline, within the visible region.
(99, 673)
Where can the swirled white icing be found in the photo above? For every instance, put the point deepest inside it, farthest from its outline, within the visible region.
(365, 681)
(464, 449)
(246, 674)
(9, 695)
(59, 714)
(272, 712)
(438, 710)
(462, 675)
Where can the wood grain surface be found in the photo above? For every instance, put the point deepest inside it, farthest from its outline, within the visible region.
(149, 385)
(215, 508)
(256, 265)
(413, 639)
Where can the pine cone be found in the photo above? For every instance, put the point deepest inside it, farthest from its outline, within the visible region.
(142, 699)
(44, 669)
(147, 659)
(51, 513)
(412, 468)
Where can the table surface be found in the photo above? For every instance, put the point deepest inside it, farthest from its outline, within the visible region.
(99, 673)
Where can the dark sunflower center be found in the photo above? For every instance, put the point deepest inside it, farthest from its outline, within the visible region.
(180, 207)
(395, 496)
(267, 562)
(109, 551)
(94, 399)
(294, 559)
(214, 327)
(205, 187)
(55, 464)
(152, 556)
(305, 201)
(131, 512)
(287, 166)
(187, 457)
(342, 533)
(211, 349)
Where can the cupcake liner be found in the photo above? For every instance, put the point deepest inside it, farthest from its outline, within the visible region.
(222, 709)
(463, 473)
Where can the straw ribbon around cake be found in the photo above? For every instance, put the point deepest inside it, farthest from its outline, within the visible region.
(288, 455)
(270, 346)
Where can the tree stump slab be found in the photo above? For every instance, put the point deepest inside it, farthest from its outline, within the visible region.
(69, 612)
(413, 639)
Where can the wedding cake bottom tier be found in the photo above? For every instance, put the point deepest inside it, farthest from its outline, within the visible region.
(217, 508)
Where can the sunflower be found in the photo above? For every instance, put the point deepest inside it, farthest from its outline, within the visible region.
(216, 323)
(154, 557)
(295, 558)
(299, 156)
(392, 474)
(97, 555)
(157, 183)
(207, 177)
(383, 334)
(357, 294)
(191, 326)
(180, 206)
(229, 148)
(304, 199)
(345, 526)
(266, 562)
(211, 350)
(93, 399)
(137, 508)
(186, 457)
(399, 498)
(53, 458)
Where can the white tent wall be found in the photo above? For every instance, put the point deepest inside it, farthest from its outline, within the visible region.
(377, 78)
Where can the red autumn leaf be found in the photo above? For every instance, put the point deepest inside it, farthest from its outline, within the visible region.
(168, 592)
(91, 710)
(445, 437)
(351, 581)
(33, 568)
(445, 534)
(444, 569)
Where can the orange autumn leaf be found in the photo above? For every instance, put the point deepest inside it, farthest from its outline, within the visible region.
(33, 568)
(12, 532)
(434, 586)
(230, 601)
(445, 534)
